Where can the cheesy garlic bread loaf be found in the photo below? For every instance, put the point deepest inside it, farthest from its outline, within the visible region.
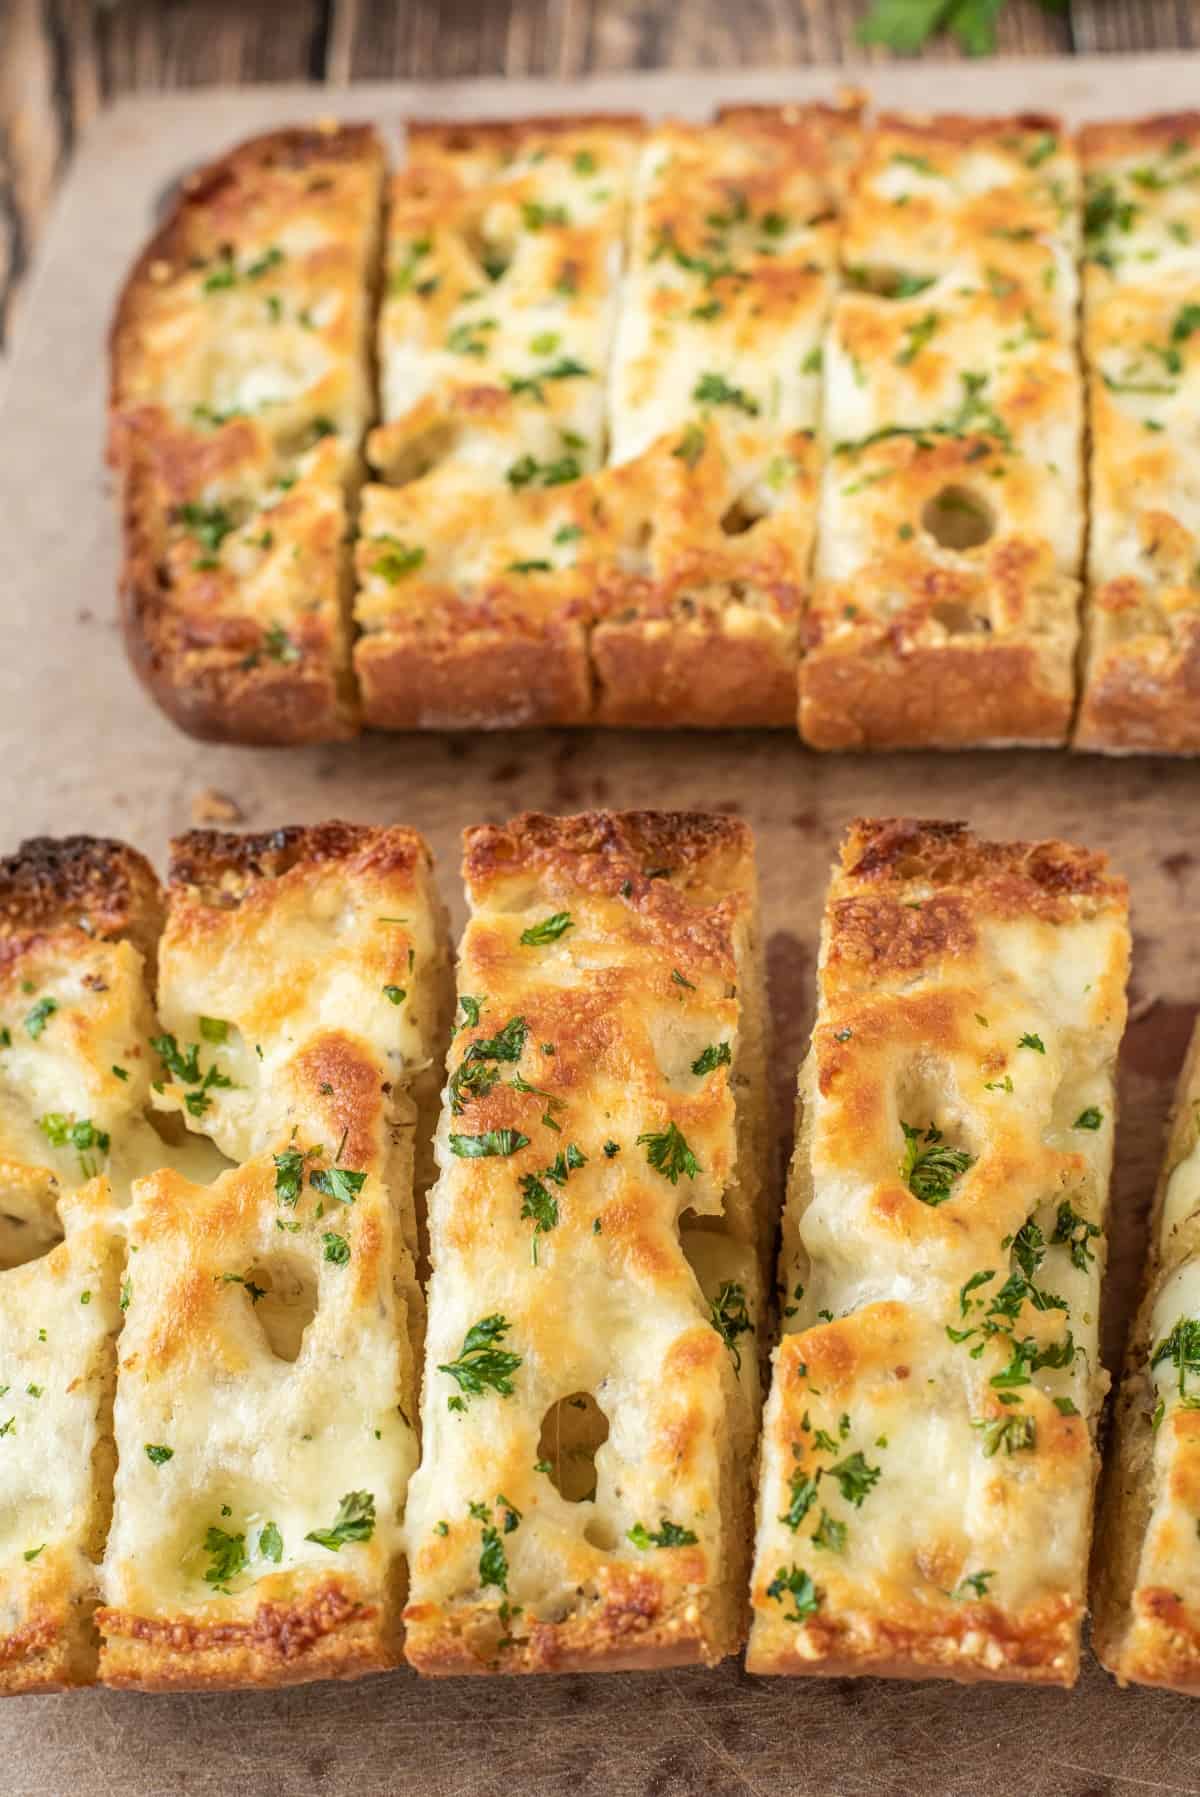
(598, 1235)
(929, 1440)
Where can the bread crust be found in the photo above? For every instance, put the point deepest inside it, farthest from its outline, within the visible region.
(93, 883)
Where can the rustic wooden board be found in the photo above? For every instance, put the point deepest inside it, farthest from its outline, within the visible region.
(83, 749)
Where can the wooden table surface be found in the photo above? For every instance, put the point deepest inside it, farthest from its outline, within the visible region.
(62, 60)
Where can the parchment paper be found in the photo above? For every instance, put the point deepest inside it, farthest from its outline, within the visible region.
(81, 748)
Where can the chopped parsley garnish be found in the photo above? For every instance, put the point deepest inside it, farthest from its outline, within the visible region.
(804, 1496)
(270, 1543)
(549, 930)
(471, 1009)
(289, 1175)
(355, 1521)
(1181, 1347)
(482, 1364)
(493, 1561)
(830, 1533)
(668, 1153)
(668, 1534)
(536, 566)
(855, 1477)
(789, 1581)
(186, 1068)
(209, 524)
(690, 446)
(538, 1203)
(397, 559)
(972, 1582)
(337, 1248)
(916, 337)
(491, 1142)
(1015, 1433)
(528, 471)
(1029, 1040)
(715, 390)
(214, 1029)
(565, 368)
(469, 338)
(342, 1183)
(973, 417)
(39, 1015)
(157, 1455)
(535, 215)
(279, 645)
(930, 1166)
(80, 1133)
(1076, 1233)
(1091, 1118)
(730, 1318)
(395, 995)
(717, 1054)
(228, 1556)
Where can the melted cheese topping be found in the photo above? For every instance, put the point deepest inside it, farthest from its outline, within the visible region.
(504, 256)
(222, 1425)
(608, 1270)
(928, 1454)
(1141, 319)
(666, 587)
(275, 1317)
(951, 522)
(732, 257)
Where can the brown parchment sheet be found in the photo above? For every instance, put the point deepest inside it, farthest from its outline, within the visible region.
(81, 748)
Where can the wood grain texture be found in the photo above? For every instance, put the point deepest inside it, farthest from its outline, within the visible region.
(60, 60)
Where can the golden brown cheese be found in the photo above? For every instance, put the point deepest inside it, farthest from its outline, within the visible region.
(266, 1396)
(951, 513)
(1142, 344)
(929, 1439)
(77, 922)
(597, 1233)
(1147, 1563)
(240, 397)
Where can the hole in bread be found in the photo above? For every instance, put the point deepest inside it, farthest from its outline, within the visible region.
(283, 1292)
(573, 1431)
(958, 519)
(415, 458)
(599, 1532)
(29, 1225)
(738, 519)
